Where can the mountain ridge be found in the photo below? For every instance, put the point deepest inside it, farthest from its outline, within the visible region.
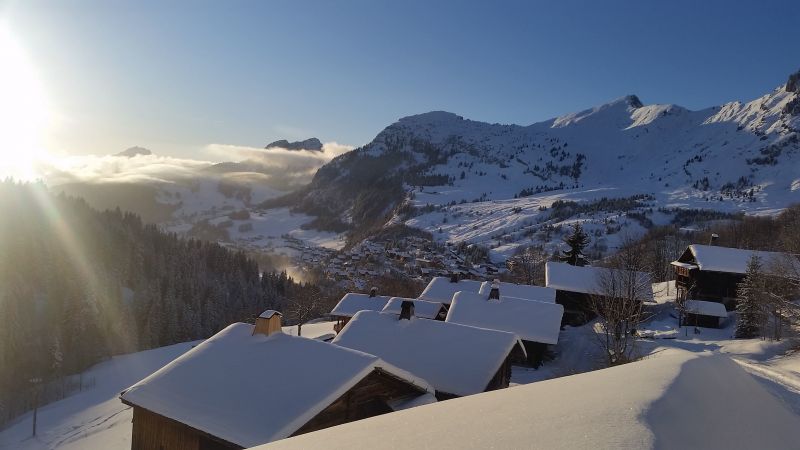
(738, 154)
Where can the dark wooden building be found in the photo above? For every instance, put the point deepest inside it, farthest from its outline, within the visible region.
(712, 273)
(244, 387)
(576, 286)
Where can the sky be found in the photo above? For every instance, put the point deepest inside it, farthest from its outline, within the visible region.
(179, 77)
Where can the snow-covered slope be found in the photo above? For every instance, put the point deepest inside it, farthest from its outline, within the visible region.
(672, 400)
(93, 418)
(497, 184)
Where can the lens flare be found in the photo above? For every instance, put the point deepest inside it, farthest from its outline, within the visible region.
(24, 113)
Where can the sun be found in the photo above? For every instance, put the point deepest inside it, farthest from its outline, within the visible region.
(24, 113)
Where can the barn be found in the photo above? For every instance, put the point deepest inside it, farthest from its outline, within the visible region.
(244, 387)
(442, 289)
(352, 303)
(575, 286)
(700, 313)
(457, 360)
(422, 308)
(712, 273)
(536, 323)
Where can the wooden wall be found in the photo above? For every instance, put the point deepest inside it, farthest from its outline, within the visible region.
(577, 307)
(368, 398)
(154, 432)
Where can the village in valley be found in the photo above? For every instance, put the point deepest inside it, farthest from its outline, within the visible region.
(469, 333)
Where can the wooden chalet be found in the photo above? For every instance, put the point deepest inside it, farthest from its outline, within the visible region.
(457, 360)
(442, 289)
(712, 273)
(249, 385)
(575, 286)
(352, 303)
(536, 323)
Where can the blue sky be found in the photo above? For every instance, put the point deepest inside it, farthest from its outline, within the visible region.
(178, 76)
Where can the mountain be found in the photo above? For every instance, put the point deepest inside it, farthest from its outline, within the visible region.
(619, 167)
(309, 144)
(134, 151)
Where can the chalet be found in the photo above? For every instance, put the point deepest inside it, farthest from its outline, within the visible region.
(248, 385)
(422, 308)
(352, 303)
(536, 323)
(575, 286)
(708, 272)
(442, 289)
(455, 359)
(526, 291)
(700, 313)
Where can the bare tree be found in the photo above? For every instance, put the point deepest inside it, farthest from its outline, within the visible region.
(303, 310)
(618, 302)
(527, 266)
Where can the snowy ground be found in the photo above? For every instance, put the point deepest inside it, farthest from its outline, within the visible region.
(95, 418)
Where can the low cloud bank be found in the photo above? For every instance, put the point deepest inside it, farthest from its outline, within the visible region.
(282, 168)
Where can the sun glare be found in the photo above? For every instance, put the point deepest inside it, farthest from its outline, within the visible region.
(24, 113)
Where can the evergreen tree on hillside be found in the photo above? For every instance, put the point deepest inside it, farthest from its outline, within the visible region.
(750, 303)
(577, 241)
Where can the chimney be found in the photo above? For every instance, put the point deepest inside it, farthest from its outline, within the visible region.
(454, 277)
(494, 294)
(268, 323)
(713, 238)
(406, 310)
(373, 292)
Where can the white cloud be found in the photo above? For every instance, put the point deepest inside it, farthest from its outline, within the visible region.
(276, 166)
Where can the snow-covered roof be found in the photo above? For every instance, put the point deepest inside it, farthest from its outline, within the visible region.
(268, 313)
(440, 289)
(526, 291)
(529, 319)
(315, 329)
(585, 280)
(673, 400)
(455, 359)
(705, 308)
(422, 308)
(251, 389)
(733, 260)
(352, 303)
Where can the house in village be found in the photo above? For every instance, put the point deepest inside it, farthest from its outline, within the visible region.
(442, 289)
(422, 308)
(352, 303)
(712, 273)
(526, 291)
(700, 313)
(575, 286)
(457, 360)
(248, 385)
(536, 323)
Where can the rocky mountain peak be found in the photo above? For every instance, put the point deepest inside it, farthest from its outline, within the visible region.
(308, 144)
(134, 151)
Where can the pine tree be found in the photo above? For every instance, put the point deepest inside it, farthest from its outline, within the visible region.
(750, 301)
(577, 241)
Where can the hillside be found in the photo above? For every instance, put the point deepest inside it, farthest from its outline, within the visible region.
(620, 162)
(78, 285)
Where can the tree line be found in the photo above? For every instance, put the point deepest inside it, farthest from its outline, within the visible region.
(78, 285)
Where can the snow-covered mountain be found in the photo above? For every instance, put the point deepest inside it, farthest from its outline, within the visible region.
(500, 185)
